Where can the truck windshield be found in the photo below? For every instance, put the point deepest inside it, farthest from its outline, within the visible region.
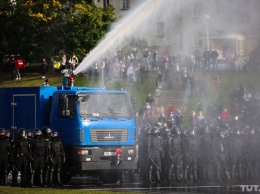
(110, 105)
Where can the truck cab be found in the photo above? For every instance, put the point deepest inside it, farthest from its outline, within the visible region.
(98, 130)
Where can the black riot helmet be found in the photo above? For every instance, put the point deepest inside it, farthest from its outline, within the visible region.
(167, 132)
(37, 133)
(55, 135)
(22, 133)
(158, 124)
(29, 134)
(155, 131)
(2, 132)
(46, 132)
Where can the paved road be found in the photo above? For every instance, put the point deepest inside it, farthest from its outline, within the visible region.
(90, 183)
(135, 186)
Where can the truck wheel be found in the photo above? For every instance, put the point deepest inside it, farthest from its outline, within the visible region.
(109, 176)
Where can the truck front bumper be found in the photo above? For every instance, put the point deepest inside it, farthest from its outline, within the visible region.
(106, 158)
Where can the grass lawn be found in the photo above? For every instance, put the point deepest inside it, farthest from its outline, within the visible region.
(19, 190)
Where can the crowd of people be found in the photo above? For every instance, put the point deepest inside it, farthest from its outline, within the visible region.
(219, 145)
(37, 156)
(130, 65)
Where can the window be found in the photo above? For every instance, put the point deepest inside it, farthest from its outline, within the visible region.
(66, 106)
(197, 10)
(114, 105)
(126, 4)
(160, 29)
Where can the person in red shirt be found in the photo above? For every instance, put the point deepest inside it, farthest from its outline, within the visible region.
(224, 114)
(170, 109)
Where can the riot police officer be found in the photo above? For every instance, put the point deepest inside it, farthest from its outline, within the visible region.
(206, 155)
(185, 155)
(22, 153)
(5, 152)
(46, 134)
(174, 150)
(29, 135)
(220, 152)
(193, 155)
(39, 156)
(29, 175)
(10, 156)
(166, 137)
(251, 155)
(236, 155)
(142, 152)
(154, 154)
(58, 158)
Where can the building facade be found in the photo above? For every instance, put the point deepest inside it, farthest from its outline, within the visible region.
(185, 25)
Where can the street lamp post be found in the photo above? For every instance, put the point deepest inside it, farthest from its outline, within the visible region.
(207, 21)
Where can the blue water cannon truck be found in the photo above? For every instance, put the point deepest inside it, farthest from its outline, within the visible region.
(96, 125)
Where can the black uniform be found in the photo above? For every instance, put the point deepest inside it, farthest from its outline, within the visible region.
(5, 152)
(252, 156)
(220, 156)
(236, 156)
(46, 133)
(184, 153)
(57, 157)
(174, 150)
(166, 159)
(22, 154)
(29, 175)
(154, 153)
(143, 154)
(39, 156)
(206, 155)
(193, 156)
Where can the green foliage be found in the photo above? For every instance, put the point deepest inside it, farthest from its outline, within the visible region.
(43, 28)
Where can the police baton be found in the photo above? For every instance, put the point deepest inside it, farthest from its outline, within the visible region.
(154, 163)
(14, 168)
(228, 175)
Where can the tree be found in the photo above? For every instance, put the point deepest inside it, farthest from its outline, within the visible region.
(37, 28)
(86, 25)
